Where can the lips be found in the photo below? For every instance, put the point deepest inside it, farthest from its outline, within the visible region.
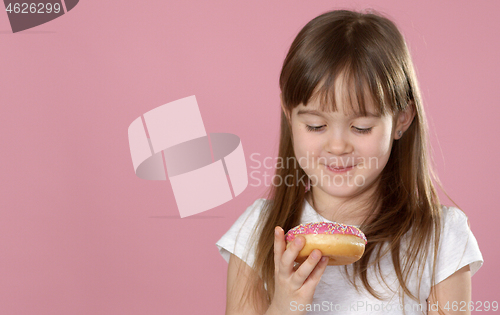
(340, 167)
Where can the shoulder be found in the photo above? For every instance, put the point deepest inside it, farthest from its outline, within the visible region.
(454, 224)
(452, 216)
(254, 210)
(248, 219)
(241, 237)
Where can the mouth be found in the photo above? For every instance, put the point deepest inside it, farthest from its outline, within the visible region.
(340, 169)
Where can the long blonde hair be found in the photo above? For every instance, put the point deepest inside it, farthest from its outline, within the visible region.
(371, 53)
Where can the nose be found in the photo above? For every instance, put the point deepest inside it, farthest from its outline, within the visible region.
(338, 143)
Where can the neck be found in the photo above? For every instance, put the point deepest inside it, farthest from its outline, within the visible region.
(354, 211)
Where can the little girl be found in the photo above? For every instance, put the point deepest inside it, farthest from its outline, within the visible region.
(353, 144)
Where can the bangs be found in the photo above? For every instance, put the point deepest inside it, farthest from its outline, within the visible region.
(356, 91)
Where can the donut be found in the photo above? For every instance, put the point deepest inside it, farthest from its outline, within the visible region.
(342, 244)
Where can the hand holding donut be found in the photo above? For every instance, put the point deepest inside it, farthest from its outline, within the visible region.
(291, 285)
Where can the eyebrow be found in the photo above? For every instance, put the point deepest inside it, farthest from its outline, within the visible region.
(318, 113)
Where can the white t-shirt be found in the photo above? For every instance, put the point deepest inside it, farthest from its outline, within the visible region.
(335, 295)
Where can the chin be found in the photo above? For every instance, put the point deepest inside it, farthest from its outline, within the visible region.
(341, 191)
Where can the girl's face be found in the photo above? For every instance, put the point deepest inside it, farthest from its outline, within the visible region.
(340, 151)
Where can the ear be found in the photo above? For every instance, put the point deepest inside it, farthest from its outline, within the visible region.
(285, 111)
(404, 120)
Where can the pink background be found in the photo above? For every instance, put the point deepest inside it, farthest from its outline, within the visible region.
(81, 234)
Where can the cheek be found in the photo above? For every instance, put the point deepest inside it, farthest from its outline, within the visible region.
(380, 145)
(301, 141)
(305, 148)
(307, 143)
(385, 147)
(385, 143)
(302, 149)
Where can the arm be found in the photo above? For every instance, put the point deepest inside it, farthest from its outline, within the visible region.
(291, 285)
(235, 288)
(456, 288)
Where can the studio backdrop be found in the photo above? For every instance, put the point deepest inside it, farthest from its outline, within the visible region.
(84, 94)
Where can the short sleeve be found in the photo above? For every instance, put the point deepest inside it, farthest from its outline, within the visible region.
(458, 246)
(240, 238)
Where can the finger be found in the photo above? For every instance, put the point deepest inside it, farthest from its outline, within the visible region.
(315, 276)
(304, 271)
(279, 245)
(291, 253)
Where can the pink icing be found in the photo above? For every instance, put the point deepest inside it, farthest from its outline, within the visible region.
(324, 228)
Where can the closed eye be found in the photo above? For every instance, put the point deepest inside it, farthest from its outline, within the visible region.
(363, 130)
(314, 128)
(358, 130)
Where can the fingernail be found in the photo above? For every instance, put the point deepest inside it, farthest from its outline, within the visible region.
(276, 231)
(298, 241)
(324, 258)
